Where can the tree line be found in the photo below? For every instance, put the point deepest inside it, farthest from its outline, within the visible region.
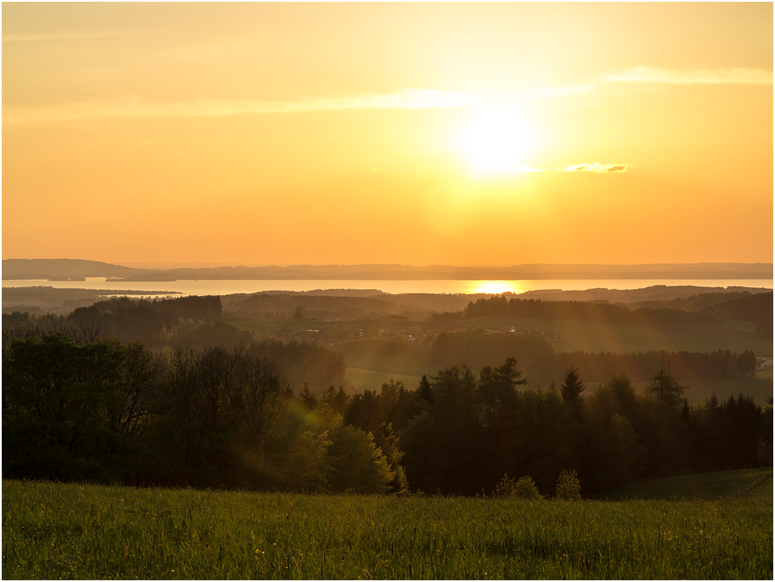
(477, 347)
(755, 308)
(300, 361)
(599, 367)
(80, 408)
(107, 411)
(145, 321)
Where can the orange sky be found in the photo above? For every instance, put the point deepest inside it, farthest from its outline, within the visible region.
(388, 133)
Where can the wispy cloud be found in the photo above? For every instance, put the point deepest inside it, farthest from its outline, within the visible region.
(134, 108)
(715, 77)
(596, 167)
(38, 37)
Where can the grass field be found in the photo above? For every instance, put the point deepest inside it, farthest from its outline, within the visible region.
(244, 323)
(411, 360)
(80, 531)
(591, 336)
(363, 379)
(273, 327)
(752, 483)
(575, 335)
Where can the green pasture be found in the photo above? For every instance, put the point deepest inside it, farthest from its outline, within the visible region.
(353, 325)
(406, 359)
(364, 379)
(751, 483)
(247, 324)
(620, 338)
(80, 531)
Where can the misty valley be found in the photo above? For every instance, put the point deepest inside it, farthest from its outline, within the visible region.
(428, 399)
(375, 393)
(374, 290)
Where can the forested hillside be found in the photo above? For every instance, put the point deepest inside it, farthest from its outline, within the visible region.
(79, 408)
(755, 308)
(166, 391)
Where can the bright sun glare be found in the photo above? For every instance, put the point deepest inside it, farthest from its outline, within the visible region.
(495, 287)
(496, 140)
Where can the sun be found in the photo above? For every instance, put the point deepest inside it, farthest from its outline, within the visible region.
(495, 287)
(496, 140)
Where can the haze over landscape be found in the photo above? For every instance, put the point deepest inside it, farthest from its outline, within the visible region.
(387, 291)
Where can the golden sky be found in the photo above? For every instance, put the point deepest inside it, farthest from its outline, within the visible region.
(458, 134)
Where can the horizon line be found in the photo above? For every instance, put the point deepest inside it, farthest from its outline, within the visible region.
(206, 265)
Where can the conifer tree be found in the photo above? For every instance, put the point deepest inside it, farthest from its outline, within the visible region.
(307, 397)
(425, 391)
(665, 388)
(572, 388)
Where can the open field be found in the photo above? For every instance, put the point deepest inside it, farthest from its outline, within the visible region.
(391, 357)
(364, 379)
(80, 531)
(574, 335)
(262, 327)
(353, 325)
(593, 336)
(750, 483)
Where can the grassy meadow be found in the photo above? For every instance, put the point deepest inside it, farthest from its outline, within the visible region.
(574, 335)
(752, 483)
(83, 531)
(622, 338)
(364, 379)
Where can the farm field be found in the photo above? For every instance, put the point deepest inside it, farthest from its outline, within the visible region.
(362, 379)
(387, 356)
(574, 335)
(352, 325)
(81, 531)
(592, 336)
(244, 323)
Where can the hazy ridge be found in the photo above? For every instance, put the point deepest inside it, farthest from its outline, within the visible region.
(77, 268)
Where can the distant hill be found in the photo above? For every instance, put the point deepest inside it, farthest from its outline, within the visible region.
(64, 269)
(436, 272)
(744, 482)
(688, 297)
(70, 268)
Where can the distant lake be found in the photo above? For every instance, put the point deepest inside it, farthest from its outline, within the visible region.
(228, 287)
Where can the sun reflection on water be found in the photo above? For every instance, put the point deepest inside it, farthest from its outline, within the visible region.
(495, 287)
